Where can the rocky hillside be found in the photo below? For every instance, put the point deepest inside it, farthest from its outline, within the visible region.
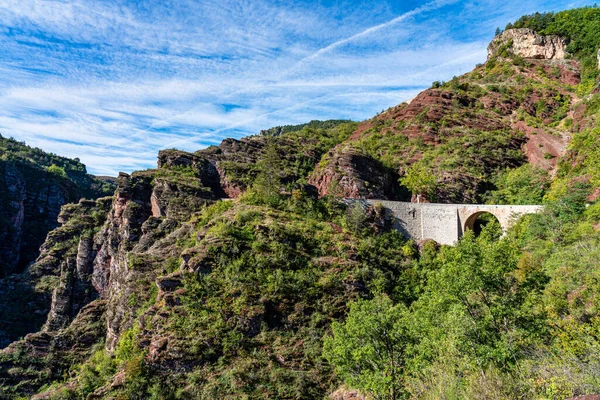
(453, 141)
(230, 168)
(34, 185)
(166, 291)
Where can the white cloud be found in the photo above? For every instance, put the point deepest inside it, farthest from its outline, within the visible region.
(112, 82)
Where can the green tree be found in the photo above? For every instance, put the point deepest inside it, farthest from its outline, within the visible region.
(484, 290)
(420, 180)
(57, 171)
(267, 184)
(524, 185)
(356, 217)
(368, 350)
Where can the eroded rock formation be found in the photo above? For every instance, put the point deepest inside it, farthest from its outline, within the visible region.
(32, 201)
(529, 44)
(52, 290)
(350, 173)
(31, 197)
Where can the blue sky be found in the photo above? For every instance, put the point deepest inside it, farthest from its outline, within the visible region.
(114, 81)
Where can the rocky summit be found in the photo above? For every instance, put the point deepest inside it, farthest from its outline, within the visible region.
(245, 270)
(527, 43)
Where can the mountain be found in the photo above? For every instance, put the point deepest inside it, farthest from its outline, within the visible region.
(237, 272)
(33, 186)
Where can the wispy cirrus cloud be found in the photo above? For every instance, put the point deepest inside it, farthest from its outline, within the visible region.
(112, 82)
(433, 5)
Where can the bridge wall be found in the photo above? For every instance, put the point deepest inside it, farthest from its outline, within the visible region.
(445, 223)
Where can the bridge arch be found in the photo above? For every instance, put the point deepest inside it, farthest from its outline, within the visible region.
(473, 221)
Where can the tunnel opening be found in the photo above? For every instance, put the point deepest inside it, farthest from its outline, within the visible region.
(481, 220)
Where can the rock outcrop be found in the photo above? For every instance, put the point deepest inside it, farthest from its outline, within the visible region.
(528, 44)
(351, 174)
(117, 262)
(31, 197)
(52, 290)
(32, 202)
(204, 169)
(229, 168)
(237, 161)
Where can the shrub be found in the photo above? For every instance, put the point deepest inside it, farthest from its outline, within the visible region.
(368, 350)
(524, 185)
(57, 171)
(420, 180)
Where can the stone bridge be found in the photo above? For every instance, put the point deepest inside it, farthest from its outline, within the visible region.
(446, 223)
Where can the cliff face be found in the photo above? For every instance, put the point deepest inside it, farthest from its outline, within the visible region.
(352, 174)
(31, 203)
(94, 273)
(52, 290)
(31, 195)
(45, 272)
(527, 43)
(139, 236)
(237, 162)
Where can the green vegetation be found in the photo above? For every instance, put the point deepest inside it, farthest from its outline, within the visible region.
(420, 179)
(291, 295)
(514, 317)
(252, 319)
(18, 153)
(267, 185)
(297, 151)
(584, 156)
(101, 367)
(282, 293)
(369, 349)
(315, 125)
(524, 185)
(508, 318)
(57, 171)
(581, 27)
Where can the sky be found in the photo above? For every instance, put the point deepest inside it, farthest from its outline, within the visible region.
(114, 81)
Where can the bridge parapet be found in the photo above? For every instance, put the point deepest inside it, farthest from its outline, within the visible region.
(446, 223)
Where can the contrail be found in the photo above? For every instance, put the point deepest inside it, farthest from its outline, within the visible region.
(427, 7)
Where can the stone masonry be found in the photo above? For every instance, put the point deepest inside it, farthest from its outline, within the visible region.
(446, 223)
